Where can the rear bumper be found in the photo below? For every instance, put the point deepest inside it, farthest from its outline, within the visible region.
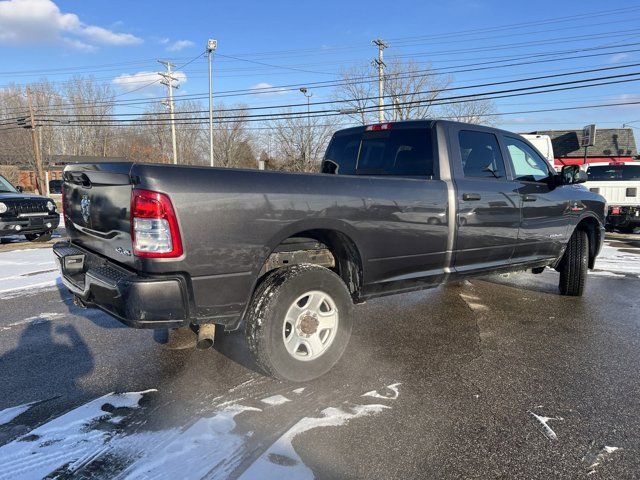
(136, 300)
(33, 224)
(625, 216)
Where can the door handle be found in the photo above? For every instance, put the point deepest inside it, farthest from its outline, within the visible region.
(529, 198)
(470, 197)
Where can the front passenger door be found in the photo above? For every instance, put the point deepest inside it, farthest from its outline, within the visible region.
(543, 229)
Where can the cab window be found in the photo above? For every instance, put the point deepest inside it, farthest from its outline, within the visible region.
(528, 165)
(481, 156)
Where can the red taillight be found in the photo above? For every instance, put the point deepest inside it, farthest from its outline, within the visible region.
(615, 210)
(154, 226)
(378, 126)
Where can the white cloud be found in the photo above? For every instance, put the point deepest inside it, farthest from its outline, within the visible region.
(108, 37)
(618, 57)
(180, 45)
(37, 22)
(631, 98)
(266, 89)
(145, 81)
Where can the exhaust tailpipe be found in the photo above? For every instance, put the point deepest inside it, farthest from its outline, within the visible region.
(206, 333)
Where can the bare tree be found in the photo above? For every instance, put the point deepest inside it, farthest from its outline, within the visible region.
(232, 141)
(16, 141)
(471, 111)
(356, 94)
(411, 89)
(192, 136)
(294, 137)
(12, 174)
(89, 105)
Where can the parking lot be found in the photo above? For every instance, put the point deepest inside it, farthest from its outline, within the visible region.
(495, 377)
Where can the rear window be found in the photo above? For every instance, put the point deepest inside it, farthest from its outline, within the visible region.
(613, 172)
(407, 152)
(342, 154)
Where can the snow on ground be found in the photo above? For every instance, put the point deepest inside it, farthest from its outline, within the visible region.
(615, 261)
(69, 441)
(95, 436)
(281, 461)
(43, 317)
(173, 450)
(8, 414)
(546, 429)
(275, 400)
(27, 269)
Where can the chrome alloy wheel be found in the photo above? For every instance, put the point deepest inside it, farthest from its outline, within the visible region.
(310, 325)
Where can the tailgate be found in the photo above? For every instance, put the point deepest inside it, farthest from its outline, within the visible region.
(96, 202)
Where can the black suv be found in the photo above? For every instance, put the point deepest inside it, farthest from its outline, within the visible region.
(33, 216)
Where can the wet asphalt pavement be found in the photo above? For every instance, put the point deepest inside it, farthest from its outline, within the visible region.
(459, 382)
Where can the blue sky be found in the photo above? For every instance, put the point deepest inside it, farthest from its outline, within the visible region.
(118, 42)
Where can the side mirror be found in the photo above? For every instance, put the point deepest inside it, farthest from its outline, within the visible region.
(571, 174)
(19, 188)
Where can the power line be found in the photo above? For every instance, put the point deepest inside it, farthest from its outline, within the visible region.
(333, 112)
(547, 110)
(478, 66)
(431, 92)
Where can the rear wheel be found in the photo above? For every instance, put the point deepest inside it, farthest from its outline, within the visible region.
(628, 229)
(299, 322)
(574, 265)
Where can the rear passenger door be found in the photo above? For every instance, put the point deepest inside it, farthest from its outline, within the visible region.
(488, 213)
(545, 207)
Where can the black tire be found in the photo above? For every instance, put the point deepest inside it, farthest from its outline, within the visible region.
(628, 229)
(574, 265)
(265, 321)
(38, 237)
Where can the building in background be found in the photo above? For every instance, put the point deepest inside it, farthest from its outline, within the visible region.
(613, 145)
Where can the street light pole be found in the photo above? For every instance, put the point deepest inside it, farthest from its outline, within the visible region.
(308, 94)
(211, 47)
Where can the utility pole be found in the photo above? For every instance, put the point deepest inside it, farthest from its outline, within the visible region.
(212, 45)
(36, 148)
(306, 93)
(379, 62)
(168, 80)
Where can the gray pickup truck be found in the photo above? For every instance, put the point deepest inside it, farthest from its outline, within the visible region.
(397, 207)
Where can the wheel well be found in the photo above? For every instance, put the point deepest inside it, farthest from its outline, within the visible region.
(328, 248)
(592, 228)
